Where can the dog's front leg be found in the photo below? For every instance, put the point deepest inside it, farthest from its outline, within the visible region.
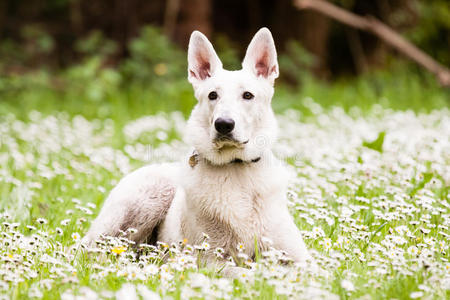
(285, 236)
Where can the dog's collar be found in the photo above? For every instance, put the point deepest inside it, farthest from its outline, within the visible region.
(195, 158)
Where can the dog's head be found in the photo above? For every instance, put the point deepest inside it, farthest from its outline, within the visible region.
(233, 118)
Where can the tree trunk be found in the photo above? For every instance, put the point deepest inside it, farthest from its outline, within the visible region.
(194, 15)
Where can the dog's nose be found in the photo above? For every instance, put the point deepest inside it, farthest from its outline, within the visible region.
(224, 125)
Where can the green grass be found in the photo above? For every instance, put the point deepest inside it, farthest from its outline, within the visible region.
(400, 89)
(352, 188)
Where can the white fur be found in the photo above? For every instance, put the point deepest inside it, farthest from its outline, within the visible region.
(232, 202)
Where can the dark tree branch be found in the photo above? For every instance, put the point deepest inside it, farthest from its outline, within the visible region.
(381, 30)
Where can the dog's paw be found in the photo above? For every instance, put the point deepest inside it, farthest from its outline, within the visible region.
(239, 273)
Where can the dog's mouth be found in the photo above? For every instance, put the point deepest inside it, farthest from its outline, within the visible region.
(224, 142)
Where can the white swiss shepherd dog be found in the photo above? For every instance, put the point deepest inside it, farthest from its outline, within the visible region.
(231, 188)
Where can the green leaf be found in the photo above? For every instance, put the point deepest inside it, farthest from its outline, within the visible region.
(421, 184)
(377, 144)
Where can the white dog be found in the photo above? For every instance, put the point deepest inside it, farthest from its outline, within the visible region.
(232, 188)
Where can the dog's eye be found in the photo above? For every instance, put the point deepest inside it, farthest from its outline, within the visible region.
(247, 96)
(212, 96)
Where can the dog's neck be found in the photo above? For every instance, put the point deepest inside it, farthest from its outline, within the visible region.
(195, 158)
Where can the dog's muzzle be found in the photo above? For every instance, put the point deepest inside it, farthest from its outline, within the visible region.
(228, 141)
(222, 142)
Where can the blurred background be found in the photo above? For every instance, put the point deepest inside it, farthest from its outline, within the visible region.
(106, 57)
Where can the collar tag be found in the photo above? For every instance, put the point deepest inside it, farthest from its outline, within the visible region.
(193, 159)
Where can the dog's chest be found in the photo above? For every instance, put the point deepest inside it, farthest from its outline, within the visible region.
(229, 205)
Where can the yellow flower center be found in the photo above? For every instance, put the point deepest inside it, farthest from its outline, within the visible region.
(119, 249)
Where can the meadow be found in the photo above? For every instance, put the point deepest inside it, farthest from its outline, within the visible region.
(370, 166)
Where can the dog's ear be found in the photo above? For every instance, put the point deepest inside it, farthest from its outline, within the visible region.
(261, 56)
(203, 61)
